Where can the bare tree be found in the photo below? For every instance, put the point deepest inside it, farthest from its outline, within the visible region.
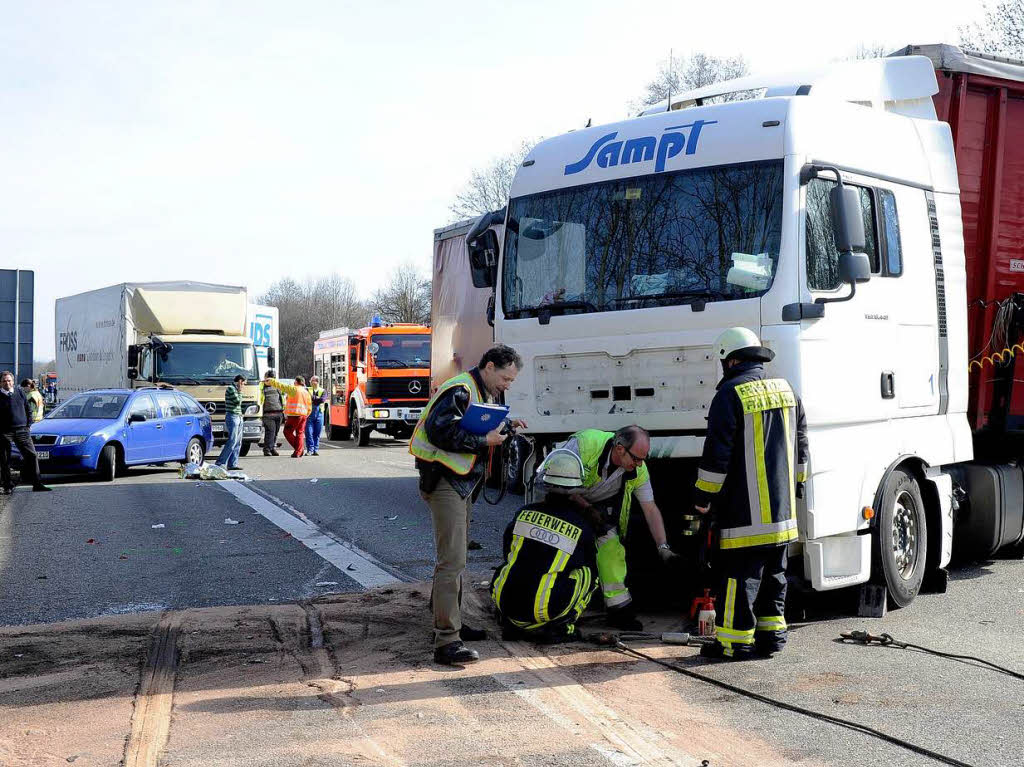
(307, 308)
(874, 50)
(1001, 31)
(686, 73)
(406, 297)
(488, 188)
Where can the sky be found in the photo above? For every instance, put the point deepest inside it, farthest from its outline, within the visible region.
(242, 142)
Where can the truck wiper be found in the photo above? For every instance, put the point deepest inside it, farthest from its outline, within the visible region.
(672, 295)
(391, 363)
(556, 307)
(178, 380)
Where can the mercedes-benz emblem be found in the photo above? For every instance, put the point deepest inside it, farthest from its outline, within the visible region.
(211, 406)
(415, 387)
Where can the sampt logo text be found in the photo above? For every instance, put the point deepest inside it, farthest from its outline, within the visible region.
(671, 142)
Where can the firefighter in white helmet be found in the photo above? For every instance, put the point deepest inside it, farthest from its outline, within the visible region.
(753, 466)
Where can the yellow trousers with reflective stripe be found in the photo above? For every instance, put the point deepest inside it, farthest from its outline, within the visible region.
(611, 570)
(751, 601)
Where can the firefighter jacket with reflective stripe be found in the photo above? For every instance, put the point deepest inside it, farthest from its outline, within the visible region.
(441, 445)
(754, 454)
(298, 402)
(549, 564)
(595, 446)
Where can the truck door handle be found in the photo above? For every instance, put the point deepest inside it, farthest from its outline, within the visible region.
(888, 385)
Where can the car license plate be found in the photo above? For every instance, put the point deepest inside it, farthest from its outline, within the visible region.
(253, 429)
(43, 455)
(218, 427)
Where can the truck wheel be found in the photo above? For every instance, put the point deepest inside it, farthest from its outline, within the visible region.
(194, 453)
(900, 540)
(106, 467)
(244, 449)
(360, 431)
(339, 432)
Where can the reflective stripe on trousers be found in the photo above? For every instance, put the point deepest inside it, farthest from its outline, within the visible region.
(611, 570)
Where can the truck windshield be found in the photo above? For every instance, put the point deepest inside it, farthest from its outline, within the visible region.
(194, 363)
(711, 234)
(402, 351)
(98, 406)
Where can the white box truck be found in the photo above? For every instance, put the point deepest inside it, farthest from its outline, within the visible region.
(188, 335)
(262, 322)
(629, 247)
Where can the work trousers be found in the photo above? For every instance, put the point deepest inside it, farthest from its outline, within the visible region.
(229, 451)
(314, 425)
(611, 570)
(450, 513)
(271, 426)
(21, 438)
(751, 604)
(295, 433)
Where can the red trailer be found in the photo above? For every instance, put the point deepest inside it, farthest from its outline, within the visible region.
(982, 99)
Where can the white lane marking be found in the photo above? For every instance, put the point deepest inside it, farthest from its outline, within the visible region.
(363, 571)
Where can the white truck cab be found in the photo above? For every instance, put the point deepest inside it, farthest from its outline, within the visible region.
(629, 247)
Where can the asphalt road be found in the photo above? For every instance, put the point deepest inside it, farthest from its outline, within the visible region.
(90, 549)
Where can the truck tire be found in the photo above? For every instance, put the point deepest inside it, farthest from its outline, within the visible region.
(106, 466)
(244, 449)
(360, 431)
(338, 432)
(195, 453)
(900, 539)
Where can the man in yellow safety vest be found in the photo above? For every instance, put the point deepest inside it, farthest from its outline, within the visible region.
(451, 463)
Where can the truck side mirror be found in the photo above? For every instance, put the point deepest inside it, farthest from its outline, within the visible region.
(854, 267)
(133, 356)
(847, 219)
(483, 259)
(271, 358)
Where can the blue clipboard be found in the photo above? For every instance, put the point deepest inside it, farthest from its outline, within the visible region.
(480, 419)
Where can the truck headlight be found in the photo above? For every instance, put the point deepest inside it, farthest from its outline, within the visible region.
(381, 413)
(78, 439)
(252, 410)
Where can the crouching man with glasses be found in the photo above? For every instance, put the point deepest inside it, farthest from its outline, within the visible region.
(614, 473)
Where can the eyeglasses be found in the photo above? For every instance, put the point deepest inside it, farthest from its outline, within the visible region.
(636, 459)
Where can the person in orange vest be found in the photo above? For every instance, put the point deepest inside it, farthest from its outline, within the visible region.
(296, 410)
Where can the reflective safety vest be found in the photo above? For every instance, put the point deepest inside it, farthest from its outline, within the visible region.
(299, 402)
(592, 443)
(318, 392)
(756, 449)
(36, 400)
(420, 445)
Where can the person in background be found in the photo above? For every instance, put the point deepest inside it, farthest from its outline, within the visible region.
(317, 415)
(35, 399)
(296, 411)
(273, 413)
(228, 457)
(15, 421)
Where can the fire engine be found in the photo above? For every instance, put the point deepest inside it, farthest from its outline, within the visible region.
(378, 378)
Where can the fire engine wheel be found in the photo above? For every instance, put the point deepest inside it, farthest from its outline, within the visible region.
(360, 430)
(900, 540)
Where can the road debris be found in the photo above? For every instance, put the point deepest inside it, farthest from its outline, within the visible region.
(230, 521)
(314, 480)
(327, 583)
(158, 527)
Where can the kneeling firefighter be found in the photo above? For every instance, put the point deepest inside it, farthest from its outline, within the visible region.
(550, 568)
(614, 472)
(753, 466)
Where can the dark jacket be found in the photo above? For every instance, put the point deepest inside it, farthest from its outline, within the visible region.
(544, 533)
(15, 410)
(443, 431)
(755, 453)
(273, 402)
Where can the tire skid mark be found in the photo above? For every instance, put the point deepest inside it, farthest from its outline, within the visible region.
(151, 720)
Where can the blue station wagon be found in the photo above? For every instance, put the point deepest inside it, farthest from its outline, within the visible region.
(107, 430)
